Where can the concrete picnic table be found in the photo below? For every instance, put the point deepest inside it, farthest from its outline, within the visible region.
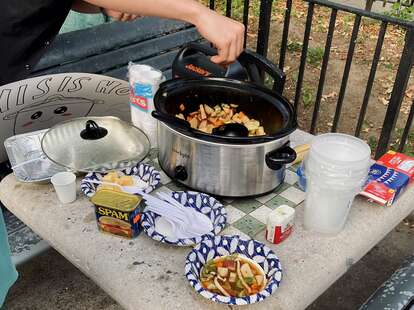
(146, 274)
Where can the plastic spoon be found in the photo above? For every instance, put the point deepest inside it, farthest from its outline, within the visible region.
(192, 221)
(199, 222)
(180, 228)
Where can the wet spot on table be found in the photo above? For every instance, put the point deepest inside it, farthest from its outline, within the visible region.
(164, 277)
(89, 218)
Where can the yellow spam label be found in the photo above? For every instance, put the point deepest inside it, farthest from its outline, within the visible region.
(113, 213)
(118, 201)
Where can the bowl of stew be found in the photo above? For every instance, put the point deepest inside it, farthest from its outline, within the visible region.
(233, 270)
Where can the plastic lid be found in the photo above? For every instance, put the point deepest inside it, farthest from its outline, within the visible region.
(95, 144)
(340, 150)
(115, 200)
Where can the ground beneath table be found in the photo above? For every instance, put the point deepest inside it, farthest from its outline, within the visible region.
(51, 282)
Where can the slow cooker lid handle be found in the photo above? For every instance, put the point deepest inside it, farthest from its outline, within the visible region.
(181, 67)
(256, 64)
(277, 158)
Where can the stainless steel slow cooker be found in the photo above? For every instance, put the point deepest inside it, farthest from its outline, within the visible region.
(224, 166)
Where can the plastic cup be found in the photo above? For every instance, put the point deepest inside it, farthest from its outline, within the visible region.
(327, 207)
(340, 151)
(336, 169)
(65, 186)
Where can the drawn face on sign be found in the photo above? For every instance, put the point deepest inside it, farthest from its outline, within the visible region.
(50, 111)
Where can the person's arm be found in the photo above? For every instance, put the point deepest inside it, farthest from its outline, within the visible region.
(88, 8)
(85, 7)
(226, 34)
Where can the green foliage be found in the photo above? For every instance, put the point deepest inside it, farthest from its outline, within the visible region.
(315, 55)
(347, 22)
(307, 97)
(409, 144)
(401, 12)
(294, 46)
(237, 8)
(373, 143)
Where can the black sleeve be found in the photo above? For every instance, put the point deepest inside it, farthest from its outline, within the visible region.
(26, 30)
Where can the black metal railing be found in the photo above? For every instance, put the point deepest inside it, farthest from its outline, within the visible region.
(406, 62)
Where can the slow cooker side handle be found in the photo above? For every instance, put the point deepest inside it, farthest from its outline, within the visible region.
(279, 157)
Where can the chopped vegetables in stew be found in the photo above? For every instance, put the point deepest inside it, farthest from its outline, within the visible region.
(207, 118)
(232, 275)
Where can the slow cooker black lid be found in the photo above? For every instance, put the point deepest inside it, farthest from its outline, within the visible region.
(170, 95)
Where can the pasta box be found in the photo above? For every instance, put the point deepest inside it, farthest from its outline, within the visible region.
(388, 178)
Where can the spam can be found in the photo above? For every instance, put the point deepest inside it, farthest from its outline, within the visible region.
(117, 213)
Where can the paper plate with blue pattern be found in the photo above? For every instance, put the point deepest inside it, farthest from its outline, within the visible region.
(144, 172)
(201, 202)
(212, 247)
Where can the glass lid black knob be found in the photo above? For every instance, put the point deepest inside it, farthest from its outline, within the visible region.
(92, 131)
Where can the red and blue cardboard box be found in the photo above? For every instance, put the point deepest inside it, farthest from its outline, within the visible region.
(388, 178)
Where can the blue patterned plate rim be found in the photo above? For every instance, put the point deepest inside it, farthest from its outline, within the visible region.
(144, 171)
(204, 203)
(211, 247)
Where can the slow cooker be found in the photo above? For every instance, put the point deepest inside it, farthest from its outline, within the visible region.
(229, 166)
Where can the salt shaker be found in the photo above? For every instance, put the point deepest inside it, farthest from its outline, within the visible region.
(279, 224)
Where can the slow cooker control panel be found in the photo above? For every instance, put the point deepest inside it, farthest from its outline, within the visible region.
(180, 173)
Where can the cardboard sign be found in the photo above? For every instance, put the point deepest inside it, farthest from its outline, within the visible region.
(41, 102)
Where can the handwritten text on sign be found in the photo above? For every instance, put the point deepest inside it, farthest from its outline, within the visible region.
(41, 102)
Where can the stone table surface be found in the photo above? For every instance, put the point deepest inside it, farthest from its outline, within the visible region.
(145, 274)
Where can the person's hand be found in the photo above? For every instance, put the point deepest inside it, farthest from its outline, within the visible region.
(119, 16)
(225, 34)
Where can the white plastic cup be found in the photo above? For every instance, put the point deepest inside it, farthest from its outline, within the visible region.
(65, 186)
(336, 169)
(327, 208)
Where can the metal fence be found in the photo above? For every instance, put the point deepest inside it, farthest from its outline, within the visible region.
(406, 62)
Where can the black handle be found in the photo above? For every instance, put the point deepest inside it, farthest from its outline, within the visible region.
(92, 131)
(249, 65)
(171, 120)
(234, 70)
(256, 64)
(279, 157)
(192, 48)
(180, 173)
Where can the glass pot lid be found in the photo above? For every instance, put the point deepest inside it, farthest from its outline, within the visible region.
(95, 144)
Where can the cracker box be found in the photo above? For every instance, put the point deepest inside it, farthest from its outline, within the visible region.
(389, 177)
(399, 162)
